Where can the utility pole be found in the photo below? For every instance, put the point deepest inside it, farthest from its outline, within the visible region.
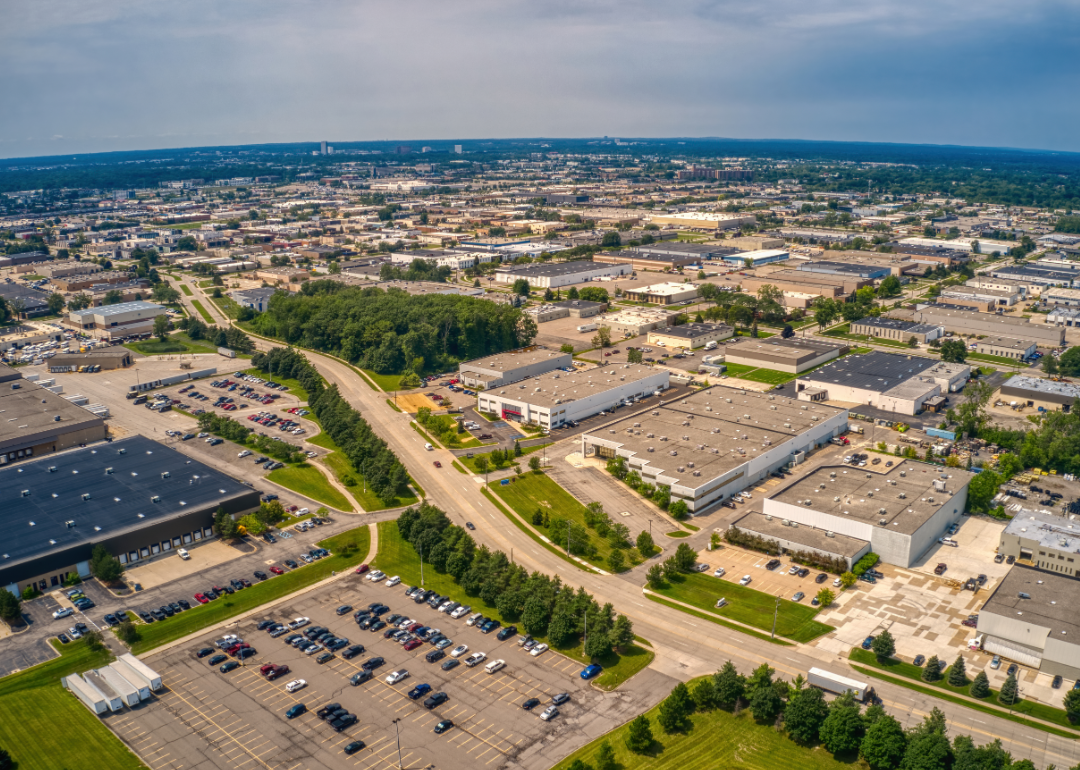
(397, 734)
(421, 565)
(776, 611)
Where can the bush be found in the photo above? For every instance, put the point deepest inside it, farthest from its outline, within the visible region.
(866, 562)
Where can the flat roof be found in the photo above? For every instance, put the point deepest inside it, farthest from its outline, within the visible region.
(875, 371)
(1052, 604)
(513, 359)
(31, 410)
(1040, 385)
(873, 493)
(685, 249)
(646, 255)
(811, 537)
(717, 429)
(579, 303)
(666, 289)
(554, 268)
(1050, 531)
(1007, 342)
(35, 524)
(1033, 271)
(691, 331)
(123, 307)
(565, 387)
(881, 322)
(827, 266)
(794, 348)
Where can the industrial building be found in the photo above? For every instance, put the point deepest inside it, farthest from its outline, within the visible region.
(1036, 278)
(797, 538)
(691, 336)
(887, 381)
(646, 259)
(1043, 540)
(663, 293)
(512, 366)
(107, 358)
(631, 323)
(757, 258)
(899, 511)
(964, 320)
(135, 496)
(112, 321)
(556, 398)
(1040, 392)
(895, 329)
(704, 220)
(845, 269)
(1006, 347)
(957, 295)
(580, 308)
(793, 355)
(1009, 285)
(715, 442)
(825, 284)
(917, 250)
(1062, 297)
(552, 275)
(696, 252)
(1064, 317)
(256, 299)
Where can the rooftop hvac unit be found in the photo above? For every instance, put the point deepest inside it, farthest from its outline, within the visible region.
(728, 400)
(807, 501)
(902, 496)
(830, 534)
(832, 475)
(795, 523)
(882, 511)
(655, 413)
(812, 419)
(821, 486)
(882, 522)
(685, 423)
(697, 473)
(26, 493)
(674, 453)
(52, 469)
(788, 425)
(786, 522)
(768, 517)
(86, 496)
(682, 469)
(611, 430)
(804, 407)
(648, 435)
(772, 398)
(690, 465)
(637, 424)
(773, 407)
(746, 417)
(929, 499)
(155, 499)
(836, 499)
(685, 438)
(108, 470)
(903, 474)
(649, 449)
(715, 451)
(663, 438)
(870, 493)
(939, 485)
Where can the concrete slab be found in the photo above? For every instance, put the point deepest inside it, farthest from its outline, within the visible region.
(167, 568)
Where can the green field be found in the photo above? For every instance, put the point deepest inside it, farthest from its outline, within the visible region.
(202, 311)
(310, 482)
(716, 740)
(44, 727)
(517, 522)
(470, 462)
(398, 557)
(340, 466)
(746, 605)
(999, 360)
(227, 305)
(347, 550)
(186, 289)
(388, 382)
(177, 342)
(718, 621)
(530, 491)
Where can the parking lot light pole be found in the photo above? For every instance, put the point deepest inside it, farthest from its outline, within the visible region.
(397, 734)
(776, 611)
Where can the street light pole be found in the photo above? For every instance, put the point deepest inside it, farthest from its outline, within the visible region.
(397, 734)
(776, 611)
(421, 565)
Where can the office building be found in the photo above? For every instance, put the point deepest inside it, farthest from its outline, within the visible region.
(112, 321)
(896, 329)
(663, 293)
(792, 539)
(1039, 392)
(793, 355)
(1006, 347)
(691, 335)
(1044, 541)
(631, 323)
(553, 275)
(512, 366)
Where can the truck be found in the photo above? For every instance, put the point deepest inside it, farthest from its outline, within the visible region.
(711, 345)
(588, 328)
(826, 680)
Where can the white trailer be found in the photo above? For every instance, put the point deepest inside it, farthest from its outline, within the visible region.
(125, 689)
(88, 694)
(588, 328)
(153, 676)
(132, 677)
(827, 680)
(112, 697)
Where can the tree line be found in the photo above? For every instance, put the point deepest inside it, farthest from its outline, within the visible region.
(392, 331)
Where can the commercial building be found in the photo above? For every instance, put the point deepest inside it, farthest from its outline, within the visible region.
(918, 250)
(512, 366)
(663, 293)
(107, 358)
(793, 355)
(964, 320)
(825, 284)
(1060, 317)
(715, 442)
(1062, 297)
(998, 284)
(696, 252)
(895, 329)
(39, 422)
(136, 497)
(1036, 392)
(1006, 347)
(899, 511)
(78, 282)
(580, 308)
(111, 321)
(1042, 540)
(846, 269)
(888, 381)
(25, 301)
(631, 323)
(645, 259)
(704, 220)
(692, 335)
(796, 538)
(556, 398)
(977, 295)
(552, 275)
(757, 258)
(256, 299)
(1036, 278)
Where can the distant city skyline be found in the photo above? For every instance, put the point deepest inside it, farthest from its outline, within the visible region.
(128, 75)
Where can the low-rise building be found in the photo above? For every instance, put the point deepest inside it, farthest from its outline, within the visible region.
(976, 294)
(1036, 278)
(80, 281)
(758, 257)
(807, 539)
(1039, 392)
(111, 321)
(1064, 316)
(644, 258)
(1062, 297)
(825, 284)
(965, 320)
(39, 422)
(691, 335)
(1006, 347)
(512, 366)
(580, 308)
(663, 293)
(695, 252)
(704, 220)
(793, 355)
(552, 275)
(1042, 540)
(257, 299)
(896, 329)
(632, 323)
(985, 281)
(846, 269)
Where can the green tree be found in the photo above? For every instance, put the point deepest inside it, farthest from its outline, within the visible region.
(79, 302)
(927, 747)
(56, 303)
(705, 694)
(224, 524)
(597, 644)
(128, 632)
(953, 351)
(675, 709)
(825, 597)
(113, 297)
(605, 758)
(161, 327)
(1069, 362)
(848, 579)
(521, 286)
(890, 287)
(577, 764)
(685, 557)
(10, 606)
(655, 576)
(622, 632)
(534, 464)
(635, 356)
(6, 762)
(883, 744)
(639, 737)
(805, 714)
(679, 510)
(611, 240)
(843, 728)
(1050, 365)
(104, 566)
(482, 463)
(645, 545)
(826, 310)
(932, 670)
(729, 685)
(982, 490)
(980, 687)
(602, 338)
(616, 561)
(573, 293)
(765, 705)
(788, 332)
(594, 294)
(958, 672)
(1010, 691)
(1072, 706)
(884, 646)
(567, 348)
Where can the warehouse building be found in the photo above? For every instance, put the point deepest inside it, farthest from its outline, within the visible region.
(895, 329)
(1036, 392)
(757, 258)
(715, 442)
(1062, 297)
(1044, 541)
(888, 381)
(704, 220)
(929, 254)
(1031, 619)
(964, 320)
(691, 336)
(663, 293)
(39, 422)
(797, 538)
(512, 366)
(1036, 278)
(645, 259)
(557, 398)
(111, 321)
(1006, 347)
(846, 269)
(552, 275)
(1064, 317)
(899, 511)
(826, 284)
(107, 358)
(135, 496)
(580, 308)
(793, 355)
(986, 281)
(696, 252)
(631, 323)
(994, 297)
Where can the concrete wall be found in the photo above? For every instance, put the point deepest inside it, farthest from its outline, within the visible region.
(792, 545)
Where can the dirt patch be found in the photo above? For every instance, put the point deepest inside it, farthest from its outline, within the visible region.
(411, 402)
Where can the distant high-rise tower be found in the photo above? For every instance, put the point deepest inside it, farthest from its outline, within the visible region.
(322, 147)
(457, 149)
(329, 150)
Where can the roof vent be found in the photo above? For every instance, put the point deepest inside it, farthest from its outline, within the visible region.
(70, 523)
(52, 469)
(882, 522)
(155, 499)
(108, 470)
(807, 501)
(902, 495)
(26, 493)
(165, 474)
(121, 451)
(86, 496)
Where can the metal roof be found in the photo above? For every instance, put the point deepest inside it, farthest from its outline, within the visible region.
(875, 371)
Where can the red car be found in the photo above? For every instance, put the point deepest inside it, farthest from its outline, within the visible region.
(201, 599)
(237, 647)
(438, 464)
(412, 644)
(277, 570)
(362, 569)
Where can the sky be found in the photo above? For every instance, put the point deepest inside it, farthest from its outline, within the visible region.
(89, 75)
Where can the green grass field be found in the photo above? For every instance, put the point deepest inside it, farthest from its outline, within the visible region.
(719, 621)
(530, 491)
(388, 382)
(470, 462)
(44, 727)
(177, 342)
(310, 481)
(757, 374)
(715, 740)
(999, 360)
(746, 605)
(187, 290)
(202, 311)
(340, 466)
(348, 549)
(227, 306)
(398, 557)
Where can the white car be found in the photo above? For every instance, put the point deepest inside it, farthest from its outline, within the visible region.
(397, 676)
(393, 581)
(296, 684)
(299, 623)
(63, 612)
(247, 453)
(458, 651)
(183, 554)
(74, 633)
(312, 650)
(745, 580)
(473, 618)
(538, 650)
(475, 659)
(463, 610)
(551, 712)
(376, 576)
(203, 435)
(719, 572)
(302, 512)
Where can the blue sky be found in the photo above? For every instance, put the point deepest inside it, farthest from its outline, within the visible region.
(84, 76)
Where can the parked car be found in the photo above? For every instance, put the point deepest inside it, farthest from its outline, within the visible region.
(591, 671)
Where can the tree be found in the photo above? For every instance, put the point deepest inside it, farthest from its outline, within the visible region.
(675, 709)
(705, 694)
(932, 670)
(1069, 362)
(161, 327)
(883, 744)
(787, 332)
(765, 705)
(616, 561)
(577, 764)
(521, 286)
(884, 646)
(104, 566)
(953, 351)
(958, 672)
(639, 737)
(1050, 365)
(826, 310)
(611, 240)
(685, 557)
(593, 294)
(482, 463)
(605, 758)
(825, 597)
(10, 606)
(224, 524)
(655, 576)
(729, 685)
(164, 293)
(927, 749)
(645, 545)
(982, 490)
(1072, 706)
(128, 632)
(56, 303)
(597, 644)
(602, 338)
(980, 688)
(634, 356)
(805, 714)
(848, 579)
(843, 728)
(566, 348)
(113, 297)
(622, 632)
(79, 302)
(1010, 691)
(572, 293)
(890, 287)
(534, 464)
(6, 762)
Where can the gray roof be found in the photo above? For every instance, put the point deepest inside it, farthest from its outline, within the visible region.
(881, 322)
(1040, 385)
(123, 307)
(1050, 531)
(691, 330)
(875, 371)
(1052, 604)
(810, 537)
(554, 268)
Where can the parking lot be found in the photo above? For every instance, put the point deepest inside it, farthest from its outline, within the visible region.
(204, 718)
(777, 582)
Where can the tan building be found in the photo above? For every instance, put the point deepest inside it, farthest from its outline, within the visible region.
(81, 282)
(704, 220)
(692, 335)
(638, 321)
(663, 293)
(43, 423)
(793, 356)
(896, 329)
(1006, 347)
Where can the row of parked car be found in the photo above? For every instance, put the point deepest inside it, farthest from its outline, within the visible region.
(271, 420)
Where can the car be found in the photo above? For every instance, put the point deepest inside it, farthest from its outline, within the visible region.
(354, 747)
(460, 611)
(821, 578)
(435, 699)
(411, 645)
(299, 623)
(745, 580)
(434, 655)
(372, 663)
(506, 633)
(63, 612)
(62, 638)
(397, 676)
(295, 685)
(395, 580)
(996, 662)
(437, 464)
(218, 659)
(296, 711)
(1057, 682)
(940, 568)
(919, 660)
(360, 677)
(798, 597)
(277, 570)
(232, 665)
(475, 659)
(289, 562)
(259, 574)
(1010, 559)
(328, 710)
(719, 572)
(419, 691)
(245, 652)
(998, 558)
(549, 713)
(591, 671)
(458, 651)
(868, 642)
(182, 553)
(204, 652)
(362, 569)
(772, 564)
(538, 650)
(469, 525)
(1011, 671)
(450, 664)
(443, 726)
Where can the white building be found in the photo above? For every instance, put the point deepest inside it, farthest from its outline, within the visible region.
(553, 275)
(512, 366)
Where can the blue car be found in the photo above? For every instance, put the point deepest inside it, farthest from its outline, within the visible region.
(868, 642)
(295, 711)
(590, 671)
(419, 691)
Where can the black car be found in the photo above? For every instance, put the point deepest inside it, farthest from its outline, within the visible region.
(919, 660)
(772, 564)
(204, 652)
(372, 663)
(530, 704)
(184, 603)
(444, 725)
(1012, 669)
(821, 578)
(290, 564)
(236, 585)
(352, 652)
(360, 677)
(506, 633)
(263, 625)
(346, 720)
(169, 611)
(245, 652)
(452, 663)
(328, 709)
(354, 747)
(210, 594)
(111, 620)
(260, 575)
(295, 711)
(146, 616)
(436, 699)
(435, 655)
(63, 638)
(158, 614)
(380, 609)
(378, 625)
(232, 665)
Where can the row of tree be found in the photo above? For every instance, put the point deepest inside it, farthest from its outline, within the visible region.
(660, 494)
(230, 337)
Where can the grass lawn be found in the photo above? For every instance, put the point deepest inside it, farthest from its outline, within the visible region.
(769, 376)
(388, 382)
(678, 534)
(746, 605)
(392, 405)
(294, 386)
(425, 436)
(340, 466)
(187, 290)
(719, 621)
(203, 311)
(347, 550)
(999, 360)
(397, 557)
(323, 440)
(470, 462)
(714, 739)
(310, 481)
(178, 342)
(517, 522)
(458, 466)
(530, 491)
(227, 305)
(45, 727)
